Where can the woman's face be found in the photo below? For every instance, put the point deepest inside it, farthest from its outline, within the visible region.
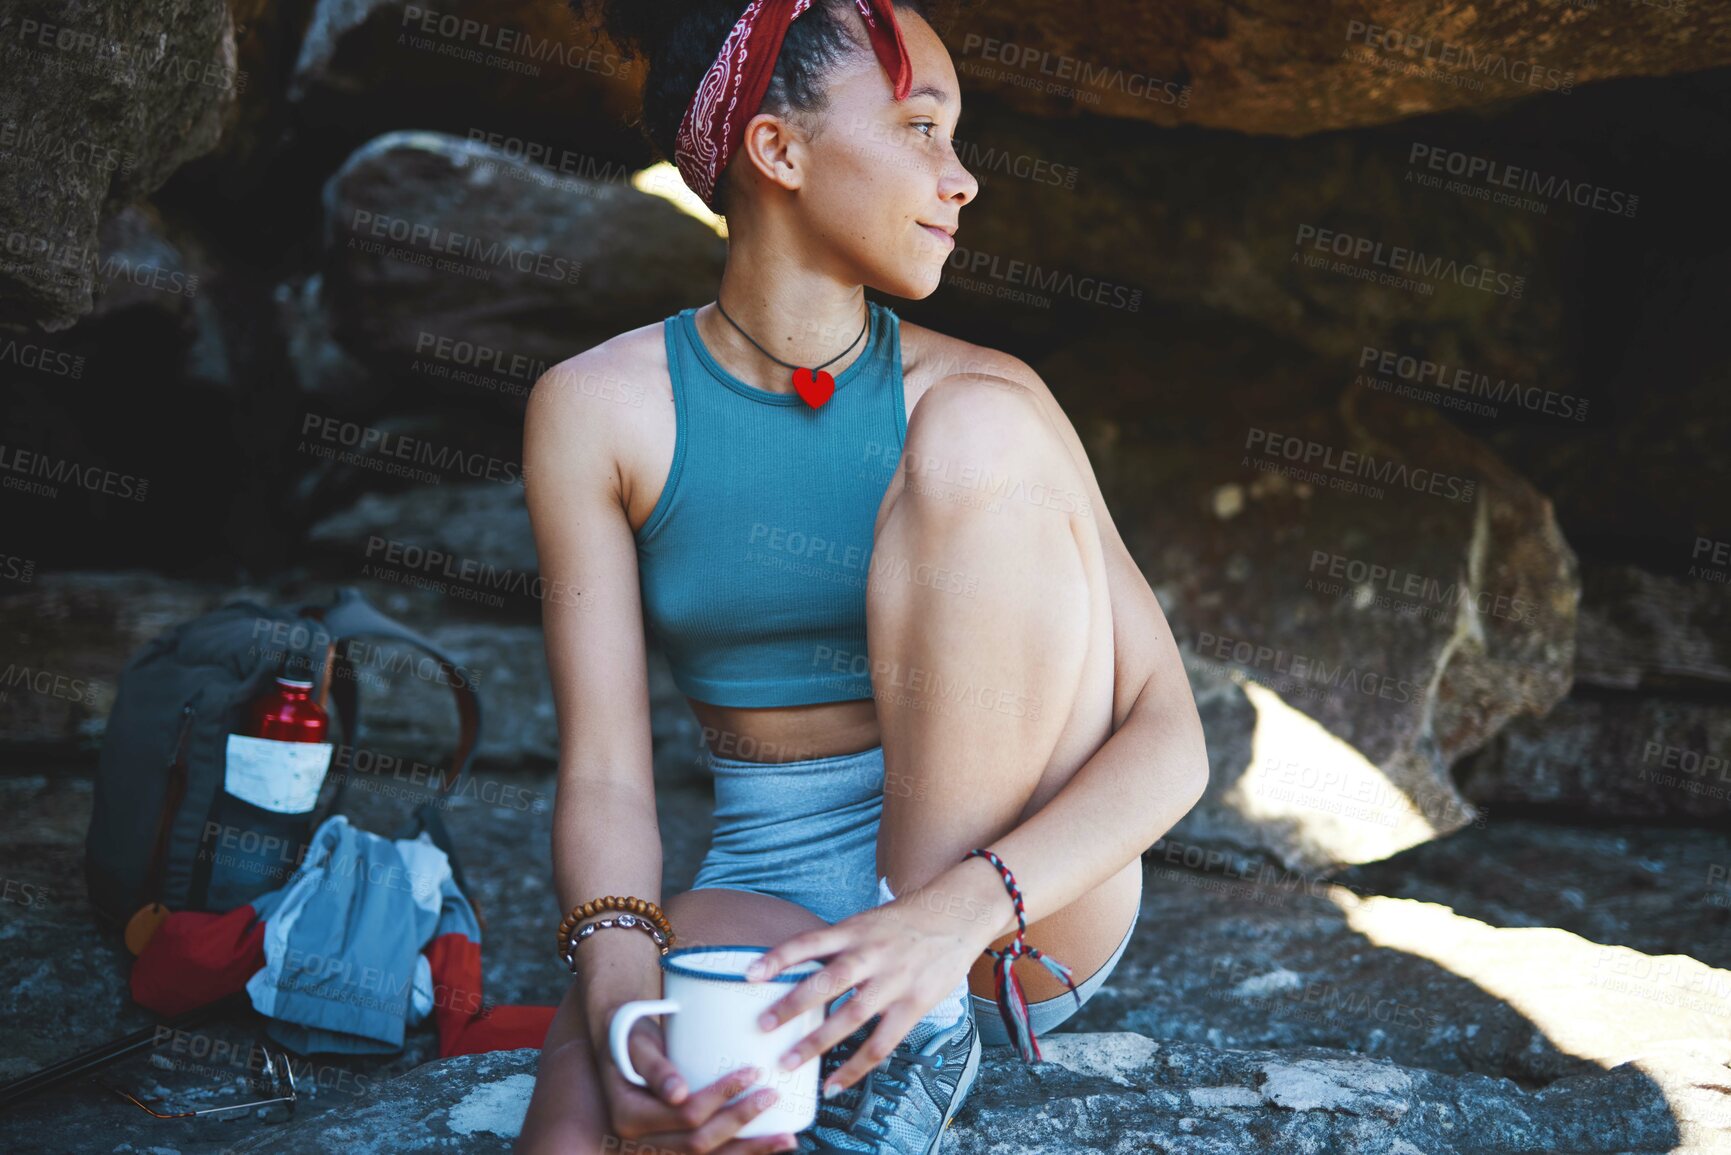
(880, 180)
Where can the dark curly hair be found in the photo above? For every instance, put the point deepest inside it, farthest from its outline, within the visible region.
(679, 40)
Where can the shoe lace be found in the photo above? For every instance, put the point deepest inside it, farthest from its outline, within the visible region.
(880, 1091)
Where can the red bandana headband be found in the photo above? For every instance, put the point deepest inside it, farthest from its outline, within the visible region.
(732, 90)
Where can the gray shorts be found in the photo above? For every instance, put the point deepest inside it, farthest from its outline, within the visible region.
(807, 832)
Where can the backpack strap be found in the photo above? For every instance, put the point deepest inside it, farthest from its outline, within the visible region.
(175, 791)
(351, 615)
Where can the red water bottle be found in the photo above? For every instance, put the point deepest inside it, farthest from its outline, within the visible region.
(280, 758)
(286, 712)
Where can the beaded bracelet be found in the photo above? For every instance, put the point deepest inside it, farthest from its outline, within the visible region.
(1012, 1004)
(629, 920)
(643, 908)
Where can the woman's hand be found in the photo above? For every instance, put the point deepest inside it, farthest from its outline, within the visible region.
(667, 1117)
(902, 958)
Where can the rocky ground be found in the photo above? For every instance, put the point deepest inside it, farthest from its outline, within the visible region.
(1453, 998)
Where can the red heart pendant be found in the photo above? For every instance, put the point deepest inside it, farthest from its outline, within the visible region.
(813, 389)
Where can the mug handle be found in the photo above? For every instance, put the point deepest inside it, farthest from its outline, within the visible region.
(624, 1018)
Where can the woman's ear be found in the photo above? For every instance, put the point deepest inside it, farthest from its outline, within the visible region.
(776, 148)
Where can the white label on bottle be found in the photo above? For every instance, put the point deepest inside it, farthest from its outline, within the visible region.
(280, 776)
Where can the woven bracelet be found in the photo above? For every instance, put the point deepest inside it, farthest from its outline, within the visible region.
(1012, 1003)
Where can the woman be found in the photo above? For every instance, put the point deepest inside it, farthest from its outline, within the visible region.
(780, 483)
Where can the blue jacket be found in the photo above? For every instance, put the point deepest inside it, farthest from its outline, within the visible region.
(344, 969)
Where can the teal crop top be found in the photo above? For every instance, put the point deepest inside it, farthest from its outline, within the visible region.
(753, 563)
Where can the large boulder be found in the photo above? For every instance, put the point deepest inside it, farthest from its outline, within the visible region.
(473, 534)
(1282, 67)
(105, 102)
(1649, 631)
(419, 224)
(1647, 732)
(514, 70)
(1334, 243)
(1362, 593)
(1634, 756)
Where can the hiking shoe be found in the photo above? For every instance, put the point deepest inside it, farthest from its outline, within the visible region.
(904, 1104)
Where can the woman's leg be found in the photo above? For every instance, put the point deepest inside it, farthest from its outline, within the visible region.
(990, 632)
(567, 1113)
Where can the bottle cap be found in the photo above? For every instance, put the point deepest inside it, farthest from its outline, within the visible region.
(297, 667)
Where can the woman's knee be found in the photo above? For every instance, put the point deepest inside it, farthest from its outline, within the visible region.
(972, 431)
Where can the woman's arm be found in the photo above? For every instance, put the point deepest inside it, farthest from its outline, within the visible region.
(606, 839)
(1138, 784)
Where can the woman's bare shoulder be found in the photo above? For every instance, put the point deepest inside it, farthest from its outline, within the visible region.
(606, 403)
(624, 368)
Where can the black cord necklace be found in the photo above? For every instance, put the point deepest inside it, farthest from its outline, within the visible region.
(814, 386)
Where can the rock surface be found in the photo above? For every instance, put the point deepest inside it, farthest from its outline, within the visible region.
(71, 635)
(1278, 67)
(1647, 631)
(467, 527)
(417, 222)
(103, 103)
(1382, 592)
(1634, 756)
(514, 67)
(1116, 1091)
(1252, 1009)
(1662, 890)
(1646, 731)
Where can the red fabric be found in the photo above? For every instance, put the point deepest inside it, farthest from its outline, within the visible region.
(731, 92)
(196, 958)
(467, 1026)
(504, 1029)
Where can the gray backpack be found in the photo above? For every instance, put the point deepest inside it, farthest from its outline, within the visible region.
(164, 827)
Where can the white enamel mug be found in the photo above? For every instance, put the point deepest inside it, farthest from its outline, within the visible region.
(711, 1030)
